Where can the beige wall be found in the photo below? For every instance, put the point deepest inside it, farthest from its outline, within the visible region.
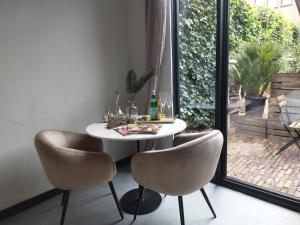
(60, 62)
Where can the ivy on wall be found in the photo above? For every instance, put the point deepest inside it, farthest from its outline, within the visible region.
(197, 48)
(197, 60)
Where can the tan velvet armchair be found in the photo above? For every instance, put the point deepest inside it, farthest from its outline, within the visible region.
(180, 170)
(74, 161)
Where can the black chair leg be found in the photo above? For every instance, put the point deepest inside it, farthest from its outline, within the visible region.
(208, 202)
(287, 145)
(63, 198)
(112, 189)
(65, 206)
(180, 202)
(138, 205)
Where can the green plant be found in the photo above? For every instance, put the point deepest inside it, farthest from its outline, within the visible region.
(256, 63)
(197, 48)
(293, 64)
(296, 34)
(243, 24)
(197, 60)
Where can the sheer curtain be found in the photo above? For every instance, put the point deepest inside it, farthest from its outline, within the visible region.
(156, 22)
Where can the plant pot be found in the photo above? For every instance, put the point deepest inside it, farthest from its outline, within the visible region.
(255, 103)
(234, 93)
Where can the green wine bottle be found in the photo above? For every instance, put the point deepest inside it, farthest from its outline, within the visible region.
(153, 106)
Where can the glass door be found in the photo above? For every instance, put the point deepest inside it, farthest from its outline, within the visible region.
(263, 95)
(217, 44)
(196, 62)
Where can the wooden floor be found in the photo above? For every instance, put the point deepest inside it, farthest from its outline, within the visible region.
(253, 160)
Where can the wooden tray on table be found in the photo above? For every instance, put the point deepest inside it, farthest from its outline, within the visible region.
(163, 120)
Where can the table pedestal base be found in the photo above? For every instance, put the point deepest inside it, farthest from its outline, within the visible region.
(150, 202)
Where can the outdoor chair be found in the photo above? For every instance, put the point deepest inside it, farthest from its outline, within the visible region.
(290, 118)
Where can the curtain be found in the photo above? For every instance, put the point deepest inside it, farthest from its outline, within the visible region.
(156, 22)
(298, 5)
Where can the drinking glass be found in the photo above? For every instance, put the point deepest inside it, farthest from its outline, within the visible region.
(169, 103)
(163, 99)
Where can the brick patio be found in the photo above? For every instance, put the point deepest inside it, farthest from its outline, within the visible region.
(253, 160)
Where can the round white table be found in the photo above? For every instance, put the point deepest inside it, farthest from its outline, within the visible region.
(151, 199)
(99, 130)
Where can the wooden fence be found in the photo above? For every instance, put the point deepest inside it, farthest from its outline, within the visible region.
(272, 127)
(282, 84)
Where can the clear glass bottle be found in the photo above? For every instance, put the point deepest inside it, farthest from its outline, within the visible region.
(132, 110)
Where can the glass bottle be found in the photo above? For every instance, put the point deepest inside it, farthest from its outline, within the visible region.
(132, 110)
(153, 106)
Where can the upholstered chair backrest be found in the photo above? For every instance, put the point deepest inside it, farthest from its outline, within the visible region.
(72, 160)
(183, 169)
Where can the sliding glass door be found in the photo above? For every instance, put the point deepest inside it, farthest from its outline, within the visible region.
(212, 90)
(196, 62)
(263, 83)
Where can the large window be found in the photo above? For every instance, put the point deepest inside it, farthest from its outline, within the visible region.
(286, 2)
(197, 62)
(273, 3)
(260, 2)
(203, 44)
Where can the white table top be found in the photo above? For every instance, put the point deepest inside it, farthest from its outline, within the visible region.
(99, 130)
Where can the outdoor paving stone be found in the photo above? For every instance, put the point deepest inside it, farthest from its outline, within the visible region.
(287, 184)
(269, 181)
(253, 160)
(286, 166)
(292, 190)
(260, 183)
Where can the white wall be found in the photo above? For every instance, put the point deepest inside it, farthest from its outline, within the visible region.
(60, 62)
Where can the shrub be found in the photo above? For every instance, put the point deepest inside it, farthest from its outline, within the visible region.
(197, 60)
(243, 24)
(197, 48)
(256, 63)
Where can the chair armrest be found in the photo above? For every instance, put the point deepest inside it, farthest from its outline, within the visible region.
(186, 137)
(154, 170)
(165, 171)
(70, 169)
(182, 169)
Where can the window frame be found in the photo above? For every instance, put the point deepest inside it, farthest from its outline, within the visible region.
(222, 60)
(277, 3)
(286, 4)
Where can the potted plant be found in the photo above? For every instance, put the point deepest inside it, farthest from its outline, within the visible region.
(253, 70)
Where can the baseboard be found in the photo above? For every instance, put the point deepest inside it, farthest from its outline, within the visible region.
(22, 206)
(6, 213)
